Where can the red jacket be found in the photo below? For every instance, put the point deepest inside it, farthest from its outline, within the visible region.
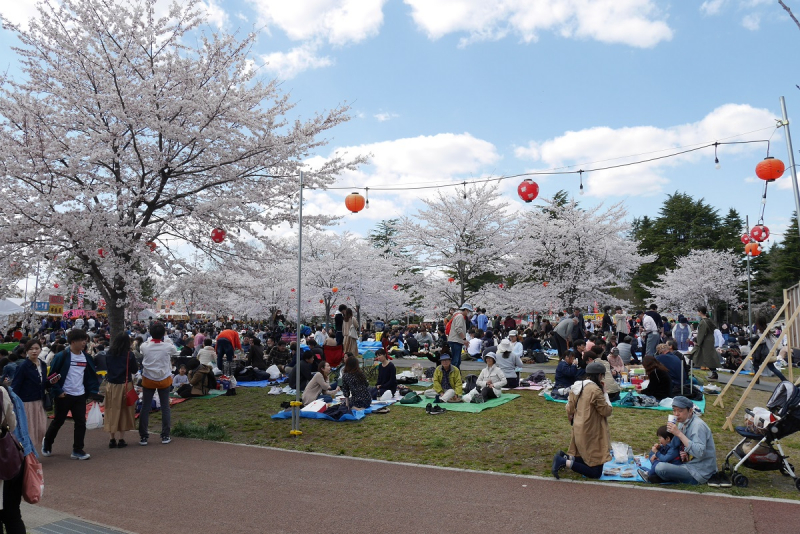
(232, 336)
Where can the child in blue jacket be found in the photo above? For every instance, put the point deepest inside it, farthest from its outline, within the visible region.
(668, 449)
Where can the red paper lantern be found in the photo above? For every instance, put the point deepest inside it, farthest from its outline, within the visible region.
(501, 286)
(354, 202)
(528, 190)
(152, 246)
(293, 290)
(218, 235)
(746, 238)
(335, 290)
(545, 284)
(759, 233)
(451, 279)
(770, 169)
(752, 249)
(172, 303)
(55, 286)
(101, 252)
(321, 301)
(395, 287)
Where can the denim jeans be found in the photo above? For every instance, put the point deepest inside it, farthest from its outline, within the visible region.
(674, 473)
(67, 403)
(455, 353)
(224, 348)
(144, 415)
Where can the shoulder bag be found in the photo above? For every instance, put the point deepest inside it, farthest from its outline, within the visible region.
(131, 396)
(11, 452)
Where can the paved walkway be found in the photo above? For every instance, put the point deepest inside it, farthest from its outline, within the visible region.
(196, 487)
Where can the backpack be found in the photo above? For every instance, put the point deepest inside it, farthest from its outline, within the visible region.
(470, 383)
(539, 356)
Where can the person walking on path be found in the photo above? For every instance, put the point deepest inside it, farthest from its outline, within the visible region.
(706, 354)
(76, 379)
(10, 490)
(29, 384)
(119, 417)
(156, 376)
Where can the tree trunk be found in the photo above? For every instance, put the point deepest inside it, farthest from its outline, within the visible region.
(116, 317)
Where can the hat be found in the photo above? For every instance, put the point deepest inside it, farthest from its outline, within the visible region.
(682, 402)
(504, 346)
(466, 306)
(512, 332)
(595, 368)
(683, 320)
(491, 355)
(444, 357)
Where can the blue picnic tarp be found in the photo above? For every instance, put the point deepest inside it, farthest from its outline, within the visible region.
(355, 415)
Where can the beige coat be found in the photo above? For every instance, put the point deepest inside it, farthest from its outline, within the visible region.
(589, 409)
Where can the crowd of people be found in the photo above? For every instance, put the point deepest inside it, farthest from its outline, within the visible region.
(64, 364)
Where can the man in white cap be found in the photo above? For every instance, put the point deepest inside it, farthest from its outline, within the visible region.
(458, 333)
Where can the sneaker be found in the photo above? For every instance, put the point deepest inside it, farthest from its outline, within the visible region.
(436, 410)
(112, 444)
(79, 455)
(559, 463)
(121, 444)
(712, 376)
(724, 480)
(428, 407)
(165, 440)
(45, 452)
(714, 481)
(143, 441)
(645, 476)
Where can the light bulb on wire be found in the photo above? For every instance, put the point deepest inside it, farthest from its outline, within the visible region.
(716, 164)
(580, 192)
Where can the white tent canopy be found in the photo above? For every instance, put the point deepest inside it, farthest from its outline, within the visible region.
(7, 309)
(146, 314)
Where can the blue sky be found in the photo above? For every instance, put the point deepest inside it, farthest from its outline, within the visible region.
(448, 90)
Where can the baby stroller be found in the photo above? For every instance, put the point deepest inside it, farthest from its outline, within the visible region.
(760, 447)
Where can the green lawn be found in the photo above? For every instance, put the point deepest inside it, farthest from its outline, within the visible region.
(518, 437)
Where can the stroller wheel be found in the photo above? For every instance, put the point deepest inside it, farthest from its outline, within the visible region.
(797, 483)
(784, 472)
(739, 480)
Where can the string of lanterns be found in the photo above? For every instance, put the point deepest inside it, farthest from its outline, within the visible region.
(769, 170)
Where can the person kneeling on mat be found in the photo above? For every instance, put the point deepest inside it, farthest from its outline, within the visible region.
(588, 410)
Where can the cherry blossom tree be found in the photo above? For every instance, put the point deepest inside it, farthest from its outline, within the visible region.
(706, 277)
(463, 234)
(569, 256)
(123, 134)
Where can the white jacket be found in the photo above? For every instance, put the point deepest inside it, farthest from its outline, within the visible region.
(494, 375)
(156, 362)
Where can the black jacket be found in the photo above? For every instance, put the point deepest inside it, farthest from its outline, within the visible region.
(27, 384)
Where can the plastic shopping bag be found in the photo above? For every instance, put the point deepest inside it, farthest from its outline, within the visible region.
(95, 418)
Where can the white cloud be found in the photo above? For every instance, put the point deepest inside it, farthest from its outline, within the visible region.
(603, 146)
(712, 7)
(289, 64)
(337, 21)
(752, 21)
(632, 22)
(423, 160)
(385, 116)
(215, 14)
(19, 12)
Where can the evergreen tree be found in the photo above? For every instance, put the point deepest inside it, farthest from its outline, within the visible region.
(786, 264)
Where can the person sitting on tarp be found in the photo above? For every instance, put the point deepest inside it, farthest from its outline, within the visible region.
(255, 356)
(699, 453)
(201, 379)
(447, 383)
(567, 371)
(387, 376)
(280, 355)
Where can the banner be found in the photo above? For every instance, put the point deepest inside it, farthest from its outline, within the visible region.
(57, 299)
(56, 309)
(40, 306)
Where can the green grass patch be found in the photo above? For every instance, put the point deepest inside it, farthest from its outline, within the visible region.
(519, 437)
(211, 431)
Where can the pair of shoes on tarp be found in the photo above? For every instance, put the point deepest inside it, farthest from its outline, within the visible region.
(434, 410)
(652, 479)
